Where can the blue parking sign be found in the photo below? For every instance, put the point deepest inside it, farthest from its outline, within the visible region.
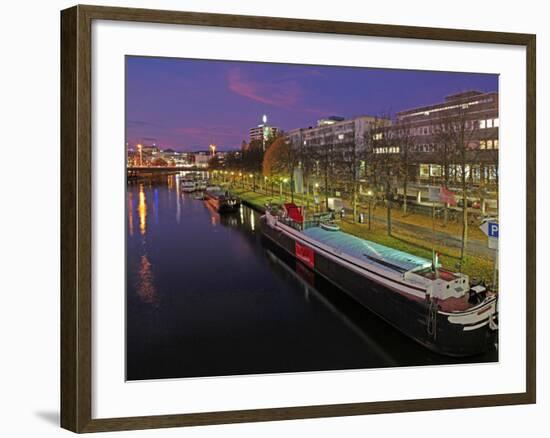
(492, 230)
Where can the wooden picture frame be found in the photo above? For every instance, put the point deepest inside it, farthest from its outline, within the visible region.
(76, 217)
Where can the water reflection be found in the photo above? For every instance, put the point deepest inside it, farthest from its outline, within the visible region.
(252, 220)
(307, 278)
(178, 199)
(142, 210)
(131, 213)
(214, 215)
(156, 205)
(146, 287)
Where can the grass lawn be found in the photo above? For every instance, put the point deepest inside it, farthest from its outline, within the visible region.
(474, 266)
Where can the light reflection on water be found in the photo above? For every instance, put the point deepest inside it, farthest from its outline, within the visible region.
(252, 221)
(131, 213)
(178, 198)
(146, 287)
(142, 210)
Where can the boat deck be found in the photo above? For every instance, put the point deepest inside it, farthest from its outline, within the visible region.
(362, 249)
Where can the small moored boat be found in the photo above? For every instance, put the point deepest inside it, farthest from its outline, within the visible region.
(188, 186)
(329, 226)
(222, 201)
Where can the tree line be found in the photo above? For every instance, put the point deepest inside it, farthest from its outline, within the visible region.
(384, 160)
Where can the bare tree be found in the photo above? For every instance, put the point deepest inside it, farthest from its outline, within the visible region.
(456, 130)
(346, 167)
(382, 153)
(323, 153)
(404, 140)
(444, 156)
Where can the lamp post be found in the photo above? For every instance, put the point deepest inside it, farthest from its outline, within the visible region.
(369, 194)
(316, 195)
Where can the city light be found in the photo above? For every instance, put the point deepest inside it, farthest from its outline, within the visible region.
(140, 147)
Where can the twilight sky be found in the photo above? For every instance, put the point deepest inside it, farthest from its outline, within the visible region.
(186, 104)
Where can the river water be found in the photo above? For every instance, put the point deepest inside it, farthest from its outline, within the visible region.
(207, 296)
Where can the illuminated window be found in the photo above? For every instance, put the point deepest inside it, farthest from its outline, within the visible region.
(495, 144)
(489, 144)
(340, 136)
(482, 144)
(482, 124)
(435, 170)
(490, 123)
(495, 122)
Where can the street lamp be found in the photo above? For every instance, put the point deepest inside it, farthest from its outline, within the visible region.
(285, 180)
(316, 195)
(369, 195)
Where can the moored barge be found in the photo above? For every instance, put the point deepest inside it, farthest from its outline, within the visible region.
(434, 306)
(222, 201)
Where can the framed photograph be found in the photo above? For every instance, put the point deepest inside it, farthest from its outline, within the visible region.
(268, 219)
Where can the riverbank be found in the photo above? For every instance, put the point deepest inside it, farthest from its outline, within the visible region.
(417, 241)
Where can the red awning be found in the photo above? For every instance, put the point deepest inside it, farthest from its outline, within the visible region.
(294, 212)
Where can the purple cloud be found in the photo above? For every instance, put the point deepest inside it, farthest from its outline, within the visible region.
(283, 94)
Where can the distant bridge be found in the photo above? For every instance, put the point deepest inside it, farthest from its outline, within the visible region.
(135, 171)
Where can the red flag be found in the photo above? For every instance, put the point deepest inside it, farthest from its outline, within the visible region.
(446, 196)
